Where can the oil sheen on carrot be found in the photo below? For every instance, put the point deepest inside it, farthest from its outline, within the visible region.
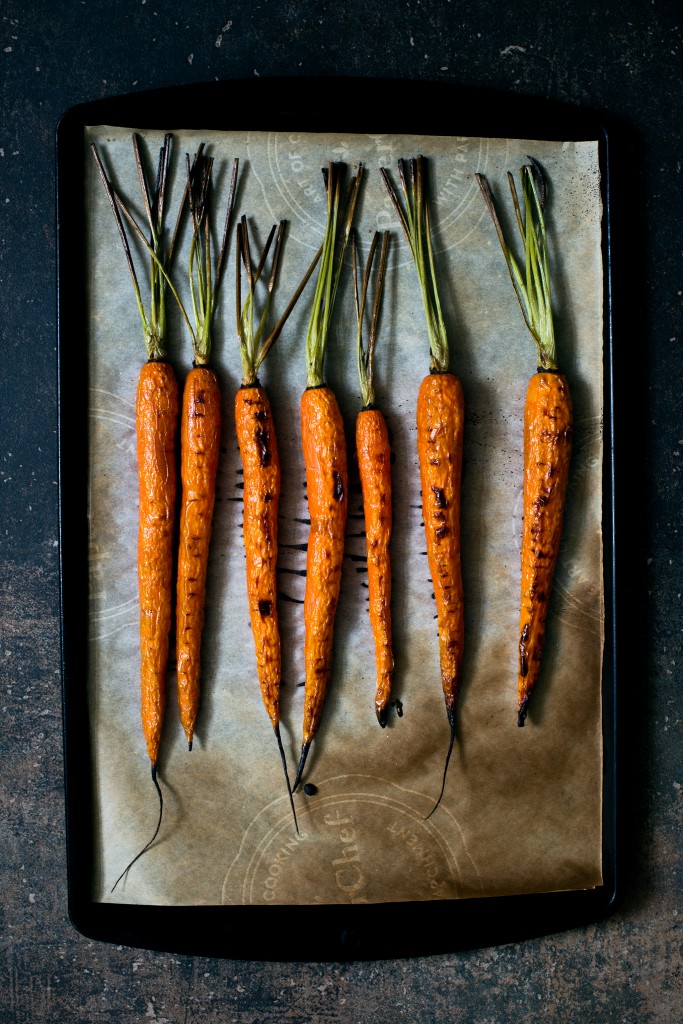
(200, 449)
(261, 465)
(440, 418)
(547, 454)
(156, 424)
(374, 464)
(324, 448)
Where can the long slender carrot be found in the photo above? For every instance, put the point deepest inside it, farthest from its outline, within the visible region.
(440, 421)
(373, 451)
(548, 424)
(261, 466)
(324, 449)
(200, 441)
(156, 421)
(156, 425)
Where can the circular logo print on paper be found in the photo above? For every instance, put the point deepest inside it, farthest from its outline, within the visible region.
(292, 171)
(361, 840)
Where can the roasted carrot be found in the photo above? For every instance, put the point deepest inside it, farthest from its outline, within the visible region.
(373, 452)
(547, 427)
(440, 420)
(200, 447)
(324, 449)
(200, 440)
(261, 467)
(156, 425)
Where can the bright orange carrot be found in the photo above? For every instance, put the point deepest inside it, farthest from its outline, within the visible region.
(156, 422)
(261, 464)
(261, 467)
(440, 419)
(547, 453)
(200, 449)
(373, 451)
(200, 441)
(324, 449)
(547, 427)
(156, 425)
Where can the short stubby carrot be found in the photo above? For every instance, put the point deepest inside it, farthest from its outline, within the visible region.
(373, 450)
(440, 421)
(261, 465)
(324, 448)
(547, 453)
(156, 423)
(199, 455)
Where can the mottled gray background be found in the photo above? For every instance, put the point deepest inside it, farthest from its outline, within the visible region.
(623, 59)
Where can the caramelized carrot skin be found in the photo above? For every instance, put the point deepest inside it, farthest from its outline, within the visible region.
(324, 448)
(199, 453)
(261, 464)
(440, 420)
(547, 453)
(156, 423)
(374, 464)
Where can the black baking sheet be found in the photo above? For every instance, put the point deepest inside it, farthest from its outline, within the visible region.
(336, 931)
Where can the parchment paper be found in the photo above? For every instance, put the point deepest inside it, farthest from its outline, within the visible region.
(522, 807)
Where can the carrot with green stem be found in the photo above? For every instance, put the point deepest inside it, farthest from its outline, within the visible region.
(156, 425)
(548, 424)
(373, 451)
(440, 421)
(199, 438)
(324, 449)
(261, 464)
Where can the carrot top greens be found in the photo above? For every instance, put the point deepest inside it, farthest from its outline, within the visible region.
(340, 209)
(415, 221)
(153, 319)
(533, 286)
(204, 283)
(254, 347)
(366, 353)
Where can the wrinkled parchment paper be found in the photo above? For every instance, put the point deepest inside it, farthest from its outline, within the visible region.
(522, 807)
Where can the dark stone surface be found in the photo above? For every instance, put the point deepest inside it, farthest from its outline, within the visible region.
(621, 58)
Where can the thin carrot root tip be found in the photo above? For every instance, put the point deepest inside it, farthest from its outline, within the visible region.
(522, 713)
(189, 745)
(382, 715)
(451, 721)
(146, 847)
(302, 763)
(276, 730)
